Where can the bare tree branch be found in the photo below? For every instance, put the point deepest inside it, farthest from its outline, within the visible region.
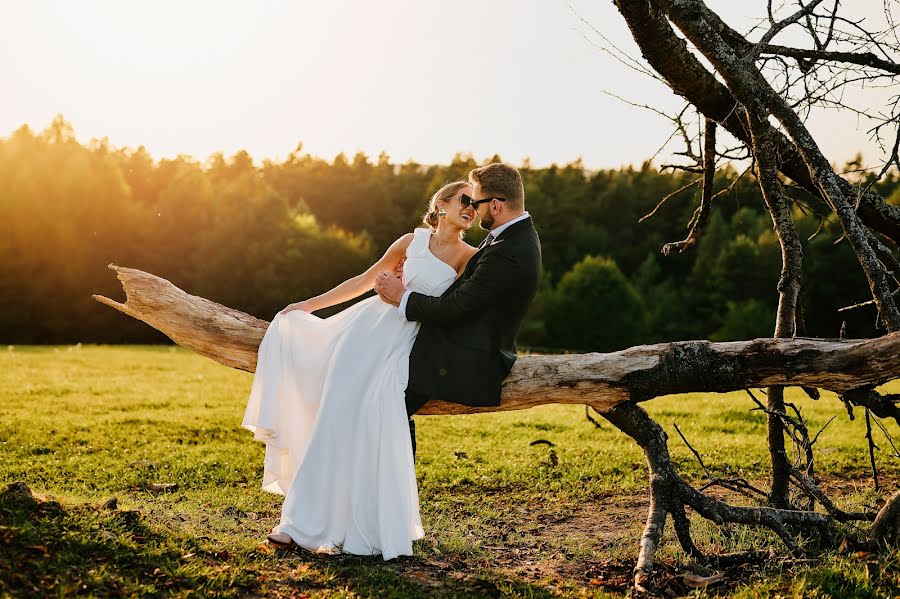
(866, 59)
(779, 26)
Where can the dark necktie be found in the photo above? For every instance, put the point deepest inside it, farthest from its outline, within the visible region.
(487, 241)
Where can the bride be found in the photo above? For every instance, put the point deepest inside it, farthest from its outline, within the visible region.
(328, 398)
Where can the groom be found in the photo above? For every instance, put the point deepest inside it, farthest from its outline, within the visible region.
(466, 344)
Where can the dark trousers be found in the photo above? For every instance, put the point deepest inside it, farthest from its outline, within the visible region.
(414, 403)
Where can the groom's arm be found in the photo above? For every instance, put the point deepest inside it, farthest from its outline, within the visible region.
(496, 275)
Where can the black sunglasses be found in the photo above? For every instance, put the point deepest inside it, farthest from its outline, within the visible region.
(468, 201)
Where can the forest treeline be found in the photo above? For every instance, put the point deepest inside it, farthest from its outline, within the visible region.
(258, 236)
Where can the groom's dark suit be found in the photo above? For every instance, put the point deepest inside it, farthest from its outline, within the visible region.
(466, 344)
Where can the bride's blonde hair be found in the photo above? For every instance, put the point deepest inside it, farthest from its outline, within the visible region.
(441, 195)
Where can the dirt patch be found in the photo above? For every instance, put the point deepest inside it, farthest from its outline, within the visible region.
(840, 485)
(595, 544)
(604, 524)
(591, 545)
(543, 549)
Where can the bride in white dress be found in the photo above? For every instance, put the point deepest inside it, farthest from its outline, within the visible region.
(328, 399)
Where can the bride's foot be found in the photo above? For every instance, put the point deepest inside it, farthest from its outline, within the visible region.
(281, 540)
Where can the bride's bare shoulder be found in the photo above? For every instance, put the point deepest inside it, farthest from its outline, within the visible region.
(396, 252)
(403, 242)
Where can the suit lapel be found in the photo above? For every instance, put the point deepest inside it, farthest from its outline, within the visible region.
(510, 231)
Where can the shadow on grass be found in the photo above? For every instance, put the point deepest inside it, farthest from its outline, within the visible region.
(50, 549)
(46, 549)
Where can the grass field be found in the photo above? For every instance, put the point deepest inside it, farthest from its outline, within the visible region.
(158, 429)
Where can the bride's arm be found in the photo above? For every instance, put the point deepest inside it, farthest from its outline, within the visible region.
(359, 284)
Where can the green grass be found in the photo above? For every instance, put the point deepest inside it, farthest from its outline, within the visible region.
(80, 425)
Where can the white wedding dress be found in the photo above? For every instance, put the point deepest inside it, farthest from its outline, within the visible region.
(328, 401)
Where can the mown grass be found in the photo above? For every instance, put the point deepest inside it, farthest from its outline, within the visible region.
(81, 425)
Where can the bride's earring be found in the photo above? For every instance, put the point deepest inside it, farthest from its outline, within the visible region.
(442, 213)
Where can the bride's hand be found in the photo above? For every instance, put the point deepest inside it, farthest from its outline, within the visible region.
(303, 306)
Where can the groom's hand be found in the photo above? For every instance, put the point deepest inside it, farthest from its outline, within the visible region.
(389, 288)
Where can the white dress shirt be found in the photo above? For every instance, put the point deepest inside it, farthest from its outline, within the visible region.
(496, 231)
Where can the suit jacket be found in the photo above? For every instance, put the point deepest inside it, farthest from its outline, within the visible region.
(467, 342)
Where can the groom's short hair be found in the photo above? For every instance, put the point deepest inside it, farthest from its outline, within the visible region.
(501, 180)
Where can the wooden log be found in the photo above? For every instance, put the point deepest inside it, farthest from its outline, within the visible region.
(602, 381)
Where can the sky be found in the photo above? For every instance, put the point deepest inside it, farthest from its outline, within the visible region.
(418, 79)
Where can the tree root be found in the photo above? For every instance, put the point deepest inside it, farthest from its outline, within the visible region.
(670, 495)
(886, 528)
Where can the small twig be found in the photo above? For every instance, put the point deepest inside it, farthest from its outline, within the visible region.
(753, 397)
(822, 220)
(787, 420)
(816, 494)
(663, 201)
(816, 438)
(894, 158)
(738, 485)
(887, 436)
(796, 428)
(614, 51)
(694, 451)
(780, 25)
(866, 303)
(872, 448)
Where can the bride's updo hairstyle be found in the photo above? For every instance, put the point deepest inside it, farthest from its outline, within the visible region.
(441, 195)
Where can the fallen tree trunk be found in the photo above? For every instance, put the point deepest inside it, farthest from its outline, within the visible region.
(612, 384)
(602, 381)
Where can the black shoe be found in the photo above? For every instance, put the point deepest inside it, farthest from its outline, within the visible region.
(280, 540)
(412, 436)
